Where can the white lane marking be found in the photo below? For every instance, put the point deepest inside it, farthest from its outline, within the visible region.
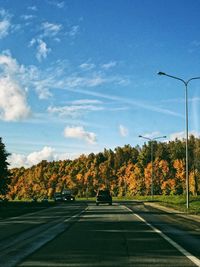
(191, 257)
(76, 215)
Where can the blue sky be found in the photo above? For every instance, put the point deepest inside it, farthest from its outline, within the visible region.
(80, 76)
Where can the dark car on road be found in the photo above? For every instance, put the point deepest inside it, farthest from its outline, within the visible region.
(103, 196)
(57, 196)
(64, 196)
(67, 195)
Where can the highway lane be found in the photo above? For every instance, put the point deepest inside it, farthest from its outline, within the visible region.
(22, 235)
(15, 225)
(113, 236)
(181, 229)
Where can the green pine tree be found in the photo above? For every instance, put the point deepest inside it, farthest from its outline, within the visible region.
(4, 172)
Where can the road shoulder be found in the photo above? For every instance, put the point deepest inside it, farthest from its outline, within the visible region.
(173, 211)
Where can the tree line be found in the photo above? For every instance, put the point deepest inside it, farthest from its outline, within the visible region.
(126, 171)
(4, 172)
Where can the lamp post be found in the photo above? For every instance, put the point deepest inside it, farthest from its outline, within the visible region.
(185, 82)
(152, 170)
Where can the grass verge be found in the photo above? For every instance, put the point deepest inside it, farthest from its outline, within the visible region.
(176, 202)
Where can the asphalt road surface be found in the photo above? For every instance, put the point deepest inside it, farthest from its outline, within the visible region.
(124, 234)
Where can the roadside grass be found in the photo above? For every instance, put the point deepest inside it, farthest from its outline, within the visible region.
(177, 202)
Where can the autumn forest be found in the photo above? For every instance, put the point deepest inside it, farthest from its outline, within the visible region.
(126, 171)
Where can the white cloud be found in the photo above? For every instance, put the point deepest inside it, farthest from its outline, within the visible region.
(33, 8)
(178, 135)
(80, 83)
(8, 64)
(87, 66)
(94, 81)
(74, 30)
(43, 93)
(13, 106)
(78, 108)
(46, 153)
(39, 81)
(123, 131)
(5, 23)
(86, 101)
(80, 133)
(35, 157)
(50, 29)
(13, 103)
(109, 65)
(77, 81)
(135, 103)
(60, 76)
(17, 160)
(60, 4)
(181, 135)
(32, 42)
(4, 26)
(54, 79)
(27, 17)
(73, 111)
(42, 50)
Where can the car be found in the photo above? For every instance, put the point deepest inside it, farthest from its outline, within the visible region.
(64, 196)
(3, 200)
(45, 200)
(103, 196)
(67, 195)
(34, 199)
(57, 196)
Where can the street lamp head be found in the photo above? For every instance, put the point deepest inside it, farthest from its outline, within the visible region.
(139, 136)
(161, 73)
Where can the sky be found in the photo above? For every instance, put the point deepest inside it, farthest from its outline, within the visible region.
(78, 76)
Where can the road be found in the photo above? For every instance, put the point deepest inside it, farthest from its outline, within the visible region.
(124, 234)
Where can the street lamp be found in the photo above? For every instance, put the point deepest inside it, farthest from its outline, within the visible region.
(185, 82)
(152, 170)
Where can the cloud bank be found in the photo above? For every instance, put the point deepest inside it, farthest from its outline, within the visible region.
(13, 102)
(46, 153)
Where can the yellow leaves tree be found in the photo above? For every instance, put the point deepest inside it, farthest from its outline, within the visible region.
(126, 171)
(135, 180)
(148, 178)
(179, 166)
(160, 175)
(122, 181)
(193, 182)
